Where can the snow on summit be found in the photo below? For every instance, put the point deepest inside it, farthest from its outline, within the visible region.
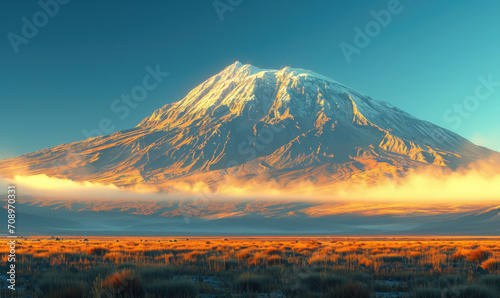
(289, 124)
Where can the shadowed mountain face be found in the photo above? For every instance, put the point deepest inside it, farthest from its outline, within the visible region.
(288, 125)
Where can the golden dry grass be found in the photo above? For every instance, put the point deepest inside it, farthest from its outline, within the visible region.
(332, 258)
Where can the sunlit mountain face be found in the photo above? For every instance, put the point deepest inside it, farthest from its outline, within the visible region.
(248, 136)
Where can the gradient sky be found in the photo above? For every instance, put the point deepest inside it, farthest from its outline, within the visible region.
(426, 60)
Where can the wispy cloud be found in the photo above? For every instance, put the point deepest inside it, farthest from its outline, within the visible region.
(480, 182)
(43, 186)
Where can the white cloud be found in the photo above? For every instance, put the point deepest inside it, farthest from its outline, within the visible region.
(478, 183)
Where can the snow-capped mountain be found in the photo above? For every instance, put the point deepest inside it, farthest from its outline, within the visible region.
(288, 125)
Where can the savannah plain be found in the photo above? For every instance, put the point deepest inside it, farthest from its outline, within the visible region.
(255, 267)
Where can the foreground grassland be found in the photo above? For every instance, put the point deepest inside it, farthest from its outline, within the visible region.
(255, 267)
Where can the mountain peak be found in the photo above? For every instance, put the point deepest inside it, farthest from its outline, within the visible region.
(246, 120)
(297, 72)
(240, 70)
(233, 67)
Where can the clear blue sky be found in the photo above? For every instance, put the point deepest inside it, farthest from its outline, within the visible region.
(65, 78)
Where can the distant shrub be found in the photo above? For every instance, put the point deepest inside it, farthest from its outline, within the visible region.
(116, 257)
(244, 254)
(123, 284)
(414, 254)
(98, 251)
(317, 258)
(365, 261)
(275, 260)
(474, 255)
(391, 258)
(172, 288)
(273, 251)
(491, 264)
(478, 255)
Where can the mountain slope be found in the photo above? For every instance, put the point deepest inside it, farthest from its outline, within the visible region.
(286, 125)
